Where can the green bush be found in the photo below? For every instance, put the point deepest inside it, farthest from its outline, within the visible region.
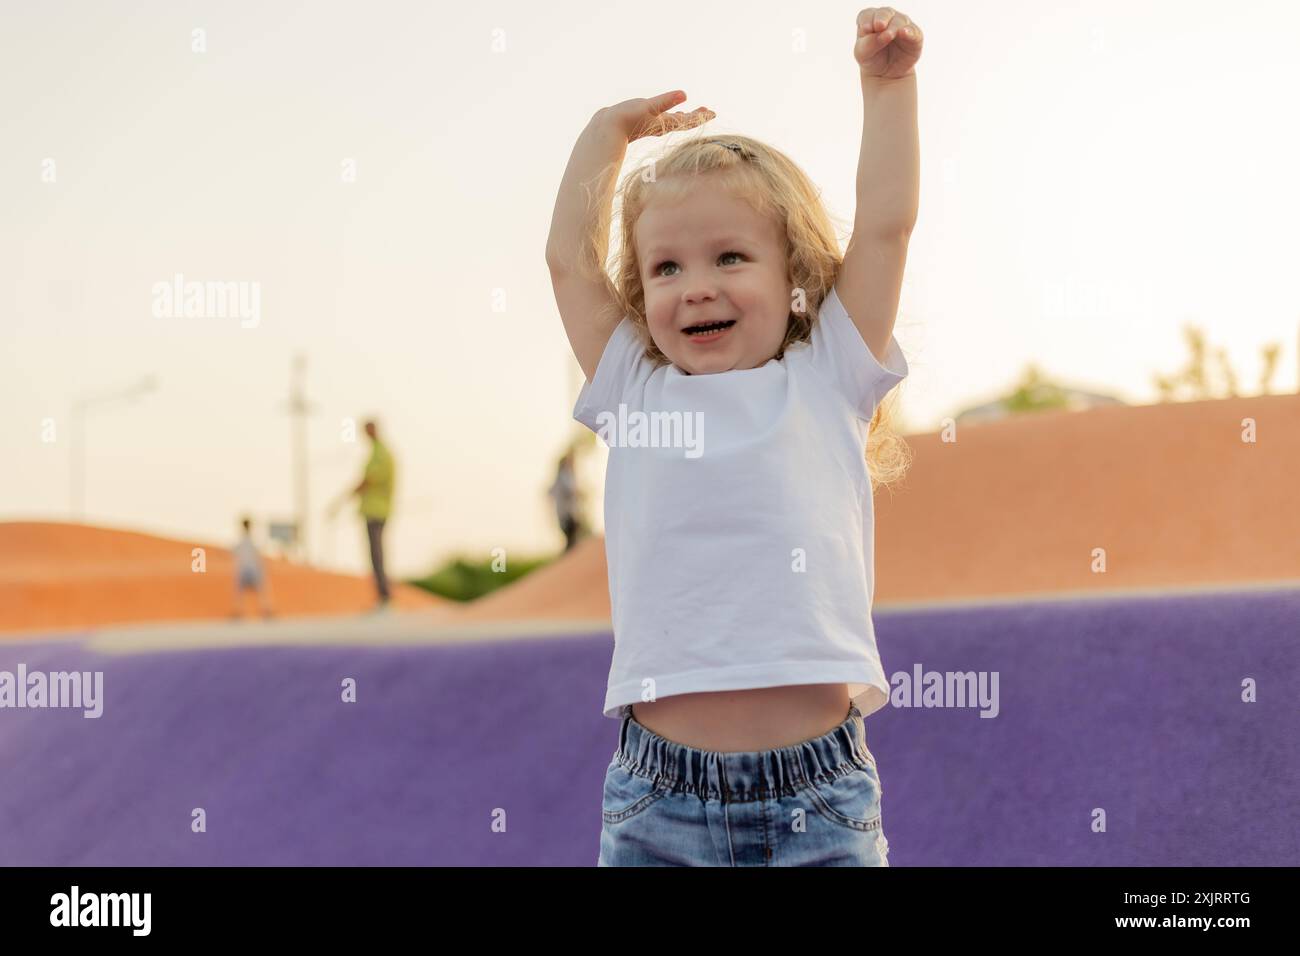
(462, 580)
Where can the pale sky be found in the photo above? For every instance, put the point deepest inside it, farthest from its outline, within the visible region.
(1093, 177)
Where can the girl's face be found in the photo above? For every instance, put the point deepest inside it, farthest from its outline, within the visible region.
(712, 258)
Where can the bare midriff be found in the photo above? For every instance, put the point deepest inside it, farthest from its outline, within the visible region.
(740, 720)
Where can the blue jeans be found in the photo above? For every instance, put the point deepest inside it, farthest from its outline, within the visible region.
(815, 803)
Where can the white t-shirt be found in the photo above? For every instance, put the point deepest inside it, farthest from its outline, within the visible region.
(564, 491)
(247, 560)
(739, 533)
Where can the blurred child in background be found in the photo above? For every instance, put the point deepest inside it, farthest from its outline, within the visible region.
(250, 574)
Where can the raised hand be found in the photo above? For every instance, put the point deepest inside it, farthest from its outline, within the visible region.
(888, 43)
(637, 118)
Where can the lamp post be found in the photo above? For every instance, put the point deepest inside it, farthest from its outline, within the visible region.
(77, 450)
(299, 407)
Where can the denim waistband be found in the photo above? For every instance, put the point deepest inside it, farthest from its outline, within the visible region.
(743, 776)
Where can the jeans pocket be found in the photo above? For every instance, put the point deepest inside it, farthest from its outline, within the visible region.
(627, 793)
(851, 800)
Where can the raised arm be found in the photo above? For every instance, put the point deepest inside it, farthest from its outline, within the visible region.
(576, 263)
(870, 282)
(579, 239)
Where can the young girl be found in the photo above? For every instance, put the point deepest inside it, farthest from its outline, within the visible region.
(250, 572)
(738, 523)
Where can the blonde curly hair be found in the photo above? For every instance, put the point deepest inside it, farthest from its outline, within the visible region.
(774, 187)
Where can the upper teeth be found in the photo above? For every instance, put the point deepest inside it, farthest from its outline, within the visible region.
(696, 330)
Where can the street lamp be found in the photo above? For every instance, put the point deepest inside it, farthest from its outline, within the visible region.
(299, 408)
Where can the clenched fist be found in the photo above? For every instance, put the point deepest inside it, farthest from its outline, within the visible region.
(888, 43)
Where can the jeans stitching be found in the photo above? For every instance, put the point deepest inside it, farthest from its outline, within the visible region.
(660, 791)
(824, 807)
(618, 816)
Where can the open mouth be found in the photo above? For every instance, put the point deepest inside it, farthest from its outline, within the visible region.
(708, 330)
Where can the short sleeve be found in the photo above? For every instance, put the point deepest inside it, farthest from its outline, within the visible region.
(620, 377)
(838, 352)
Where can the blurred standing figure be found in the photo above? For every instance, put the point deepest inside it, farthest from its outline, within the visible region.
(249, 573)
(376, 491)
(564, 492)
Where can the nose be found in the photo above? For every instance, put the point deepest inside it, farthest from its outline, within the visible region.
(701, 292)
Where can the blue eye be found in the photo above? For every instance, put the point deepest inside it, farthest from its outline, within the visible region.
(668, 262)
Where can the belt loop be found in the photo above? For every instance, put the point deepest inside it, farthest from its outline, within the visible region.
(798, 756)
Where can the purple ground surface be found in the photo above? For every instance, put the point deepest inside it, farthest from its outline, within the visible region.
(1130, 705)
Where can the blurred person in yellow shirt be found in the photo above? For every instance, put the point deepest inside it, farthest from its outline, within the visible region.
(375, 505)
